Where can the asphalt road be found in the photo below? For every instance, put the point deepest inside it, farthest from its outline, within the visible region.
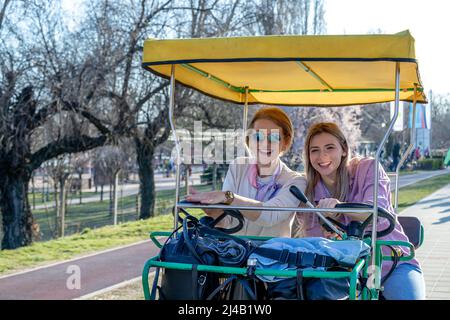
(96, 272)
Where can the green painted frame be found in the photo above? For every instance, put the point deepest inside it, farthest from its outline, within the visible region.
(361, 266)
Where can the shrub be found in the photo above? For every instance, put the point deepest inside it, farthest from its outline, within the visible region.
(429, 164)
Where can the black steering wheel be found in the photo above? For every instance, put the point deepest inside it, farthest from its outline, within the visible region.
(211, 222)
(357, 228)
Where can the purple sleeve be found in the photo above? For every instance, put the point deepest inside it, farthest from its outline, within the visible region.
(384, 187)
(365, 179)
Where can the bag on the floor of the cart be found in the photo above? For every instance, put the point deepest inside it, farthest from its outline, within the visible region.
(308, 254)
(300, 288)
(199, 244)
(239, 287)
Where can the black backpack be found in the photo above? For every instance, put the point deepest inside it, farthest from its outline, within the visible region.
(186, 247)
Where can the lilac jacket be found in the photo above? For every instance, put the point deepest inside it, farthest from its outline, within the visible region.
(361, 190)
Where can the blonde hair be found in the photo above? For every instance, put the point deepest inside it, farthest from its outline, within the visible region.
(312, 176)
(280, 118)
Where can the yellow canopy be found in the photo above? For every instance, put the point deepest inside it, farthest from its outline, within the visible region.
(321, 70)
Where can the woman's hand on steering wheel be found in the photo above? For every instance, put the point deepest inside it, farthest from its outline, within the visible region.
(329, 203)
(212, 197)
(194, 195)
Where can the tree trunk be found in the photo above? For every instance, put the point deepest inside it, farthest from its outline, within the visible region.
(17, 217)
(145, 155)
(33, 192)
(57, 212)
(62, 206)
(114, 194)
(80, 175)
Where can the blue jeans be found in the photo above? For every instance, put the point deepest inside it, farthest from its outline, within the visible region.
(405, 283)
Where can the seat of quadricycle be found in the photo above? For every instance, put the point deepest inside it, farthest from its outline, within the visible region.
(413, 229)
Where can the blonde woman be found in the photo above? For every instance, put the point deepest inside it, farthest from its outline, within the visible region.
(333, 178)
(262, 180)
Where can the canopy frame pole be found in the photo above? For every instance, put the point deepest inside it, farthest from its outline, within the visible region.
(315, 75)
(177, 143)
(245, 121)
(377, 278)
(412, 142)
(212, 77)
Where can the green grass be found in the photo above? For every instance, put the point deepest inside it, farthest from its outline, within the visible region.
(97, 214)
(411, 194)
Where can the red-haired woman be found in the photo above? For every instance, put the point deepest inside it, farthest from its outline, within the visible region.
(262, 180)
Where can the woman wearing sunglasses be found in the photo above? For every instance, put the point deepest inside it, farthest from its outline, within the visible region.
(261, 180)
(333, 178)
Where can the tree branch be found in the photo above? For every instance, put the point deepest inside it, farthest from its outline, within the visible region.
(74, 107)
(63, 146)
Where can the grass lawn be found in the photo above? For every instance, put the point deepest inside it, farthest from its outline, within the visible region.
(409, 195)
(97, 214)
(90, 240)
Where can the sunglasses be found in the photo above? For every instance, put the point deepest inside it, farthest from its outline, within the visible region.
(260, 136)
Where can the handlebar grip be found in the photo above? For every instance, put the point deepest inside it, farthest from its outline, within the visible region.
(298, 194)
(381, 213)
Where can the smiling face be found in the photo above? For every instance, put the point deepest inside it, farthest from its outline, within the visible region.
(264, 143)
(325, 155)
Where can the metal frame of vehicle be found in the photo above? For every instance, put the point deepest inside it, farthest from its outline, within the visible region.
(376, 256)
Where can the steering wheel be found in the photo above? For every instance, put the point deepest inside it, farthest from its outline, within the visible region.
(356, 228)
(211, 222)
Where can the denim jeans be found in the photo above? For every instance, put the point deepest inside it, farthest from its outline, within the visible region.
(405, 283)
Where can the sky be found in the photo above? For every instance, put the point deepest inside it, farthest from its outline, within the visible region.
(428, 21)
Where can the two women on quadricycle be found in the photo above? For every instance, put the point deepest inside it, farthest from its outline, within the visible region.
(296, 237)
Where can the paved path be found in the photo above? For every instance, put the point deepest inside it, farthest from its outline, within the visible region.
(434, 254)
(96, 272)
(161, 183)
(115, 266)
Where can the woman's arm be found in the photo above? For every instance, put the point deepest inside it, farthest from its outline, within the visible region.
(284, 198)
(218, 197)
(366, 187)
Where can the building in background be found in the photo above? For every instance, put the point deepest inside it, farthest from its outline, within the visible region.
(423, 126)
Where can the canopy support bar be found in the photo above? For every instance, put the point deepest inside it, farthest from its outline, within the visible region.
(177, 142)
(212, 77)
(412, 142)
(245, 121)
(314, 74)
(336, 90)
(377, 278)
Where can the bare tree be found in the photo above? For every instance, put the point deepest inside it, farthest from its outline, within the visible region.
(440, 121)
(60, 170)
(42, 79)
(3, 11)
(193, 18)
